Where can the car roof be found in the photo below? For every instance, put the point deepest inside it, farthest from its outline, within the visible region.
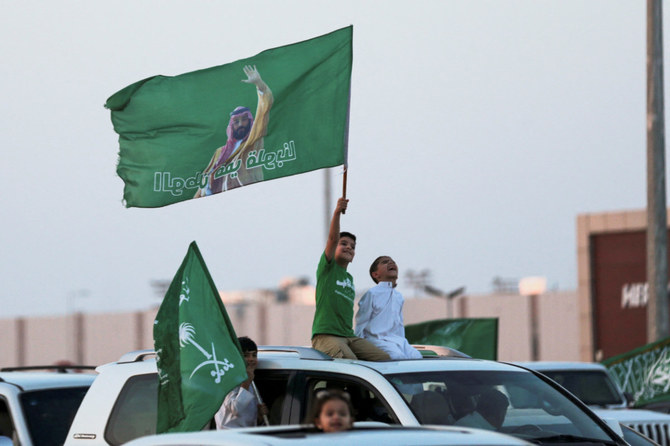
(308, 358)
(46, 380)
(442, 364)
(307, 435)
(561, 365)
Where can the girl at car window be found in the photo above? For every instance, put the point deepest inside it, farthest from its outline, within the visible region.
(333, 411)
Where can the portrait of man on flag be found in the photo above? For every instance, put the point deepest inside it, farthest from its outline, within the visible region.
(228, 167)
(197, 134)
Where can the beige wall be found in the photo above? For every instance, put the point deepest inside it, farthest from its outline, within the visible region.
(108, 336)
(105, 337)
(589, 225)
(53, 333)
(9, 353)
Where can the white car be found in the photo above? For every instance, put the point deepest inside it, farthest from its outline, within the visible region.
(121, 404)
(592, 383)
(307, 436)
(37, 408)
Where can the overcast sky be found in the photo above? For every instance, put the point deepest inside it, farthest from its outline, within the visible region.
(479, 131)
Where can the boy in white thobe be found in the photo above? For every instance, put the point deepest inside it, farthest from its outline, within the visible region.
(241, 408)
(379, 317)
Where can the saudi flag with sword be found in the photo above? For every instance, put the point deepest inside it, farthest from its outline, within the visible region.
(199, 357)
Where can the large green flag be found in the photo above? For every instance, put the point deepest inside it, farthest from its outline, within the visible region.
(199, 357)
(477, 337)
(282, 112)
(644, 372)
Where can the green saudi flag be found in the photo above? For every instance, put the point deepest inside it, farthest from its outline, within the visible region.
(199, 357)
(282, 112)
(643, 372)
(477, 337)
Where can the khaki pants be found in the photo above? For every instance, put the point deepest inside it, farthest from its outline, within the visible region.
(350, 348)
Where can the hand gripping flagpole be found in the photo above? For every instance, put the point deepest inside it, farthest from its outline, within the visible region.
(260, 401)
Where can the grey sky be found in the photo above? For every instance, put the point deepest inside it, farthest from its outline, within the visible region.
(479, 130)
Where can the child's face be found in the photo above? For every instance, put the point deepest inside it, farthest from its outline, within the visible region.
(334, 416)
(251, 359)
(345, 250)
(387, 270)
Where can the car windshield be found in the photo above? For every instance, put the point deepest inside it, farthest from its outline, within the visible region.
(593, 387)
(49, 413)
(516, 403)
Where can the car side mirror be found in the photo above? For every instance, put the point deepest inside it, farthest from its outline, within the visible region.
(630, 400)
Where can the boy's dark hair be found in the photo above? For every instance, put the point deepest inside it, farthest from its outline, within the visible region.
(322, 397)
(374, 266)
(348, 234)
(247, 344)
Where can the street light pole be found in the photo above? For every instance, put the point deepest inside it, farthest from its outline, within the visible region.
(447, 296)
(533, 288)
(657, 229)
(76, 331)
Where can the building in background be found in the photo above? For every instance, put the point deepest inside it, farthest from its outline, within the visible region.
(272, 318)
(612, 282)
(604, 317)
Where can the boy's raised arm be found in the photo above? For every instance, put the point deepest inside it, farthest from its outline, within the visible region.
(334, 232)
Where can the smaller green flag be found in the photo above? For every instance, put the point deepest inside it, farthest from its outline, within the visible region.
(643, 372)
(477, 337)
(199, 356)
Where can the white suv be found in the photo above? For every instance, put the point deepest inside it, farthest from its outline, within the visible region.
(363, 436)
(121, 404)
(37, 408)
(592, 383)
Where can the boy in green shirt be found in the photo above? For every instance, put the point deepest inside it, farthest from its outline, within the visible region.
(332, 329)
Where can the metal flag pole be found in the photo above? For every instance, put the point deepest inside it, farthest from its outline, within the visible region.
(344, 185)
(260, 401)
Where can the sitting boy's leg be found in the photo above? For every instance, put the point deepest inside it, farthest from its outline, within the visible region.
(367, 351)
(335, 346)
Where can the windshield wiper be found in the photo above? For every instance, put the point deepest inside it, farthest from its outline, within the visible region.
(563, 438)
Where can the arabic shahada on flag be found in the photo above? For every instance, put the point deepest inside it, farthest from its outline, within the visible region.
(282, 112)
(199, 356)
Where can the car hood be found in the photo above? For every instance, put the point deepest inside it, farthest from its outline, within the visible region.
(632, 415)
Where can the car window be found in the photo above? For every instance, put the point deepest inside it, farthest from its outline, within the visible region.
(49, 413)
(531, 407)
(135, 411)
(6, 423)
(366, 401)
(592, 387)
(272, 387)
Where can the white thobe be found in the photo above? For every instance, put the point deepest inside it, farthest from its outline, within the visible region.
(239, 409)
(379, 320)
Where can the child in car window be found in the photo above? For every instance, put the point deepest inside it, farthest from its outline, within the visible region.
(333, 411)
(241, 408)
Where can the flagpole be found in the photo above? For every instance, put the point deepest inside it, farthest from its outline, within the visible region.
(344, 186)
(327, 205)
(260, 401)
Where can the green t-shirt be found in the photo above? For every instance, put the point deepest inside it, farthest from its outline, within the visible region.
(335, 295)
